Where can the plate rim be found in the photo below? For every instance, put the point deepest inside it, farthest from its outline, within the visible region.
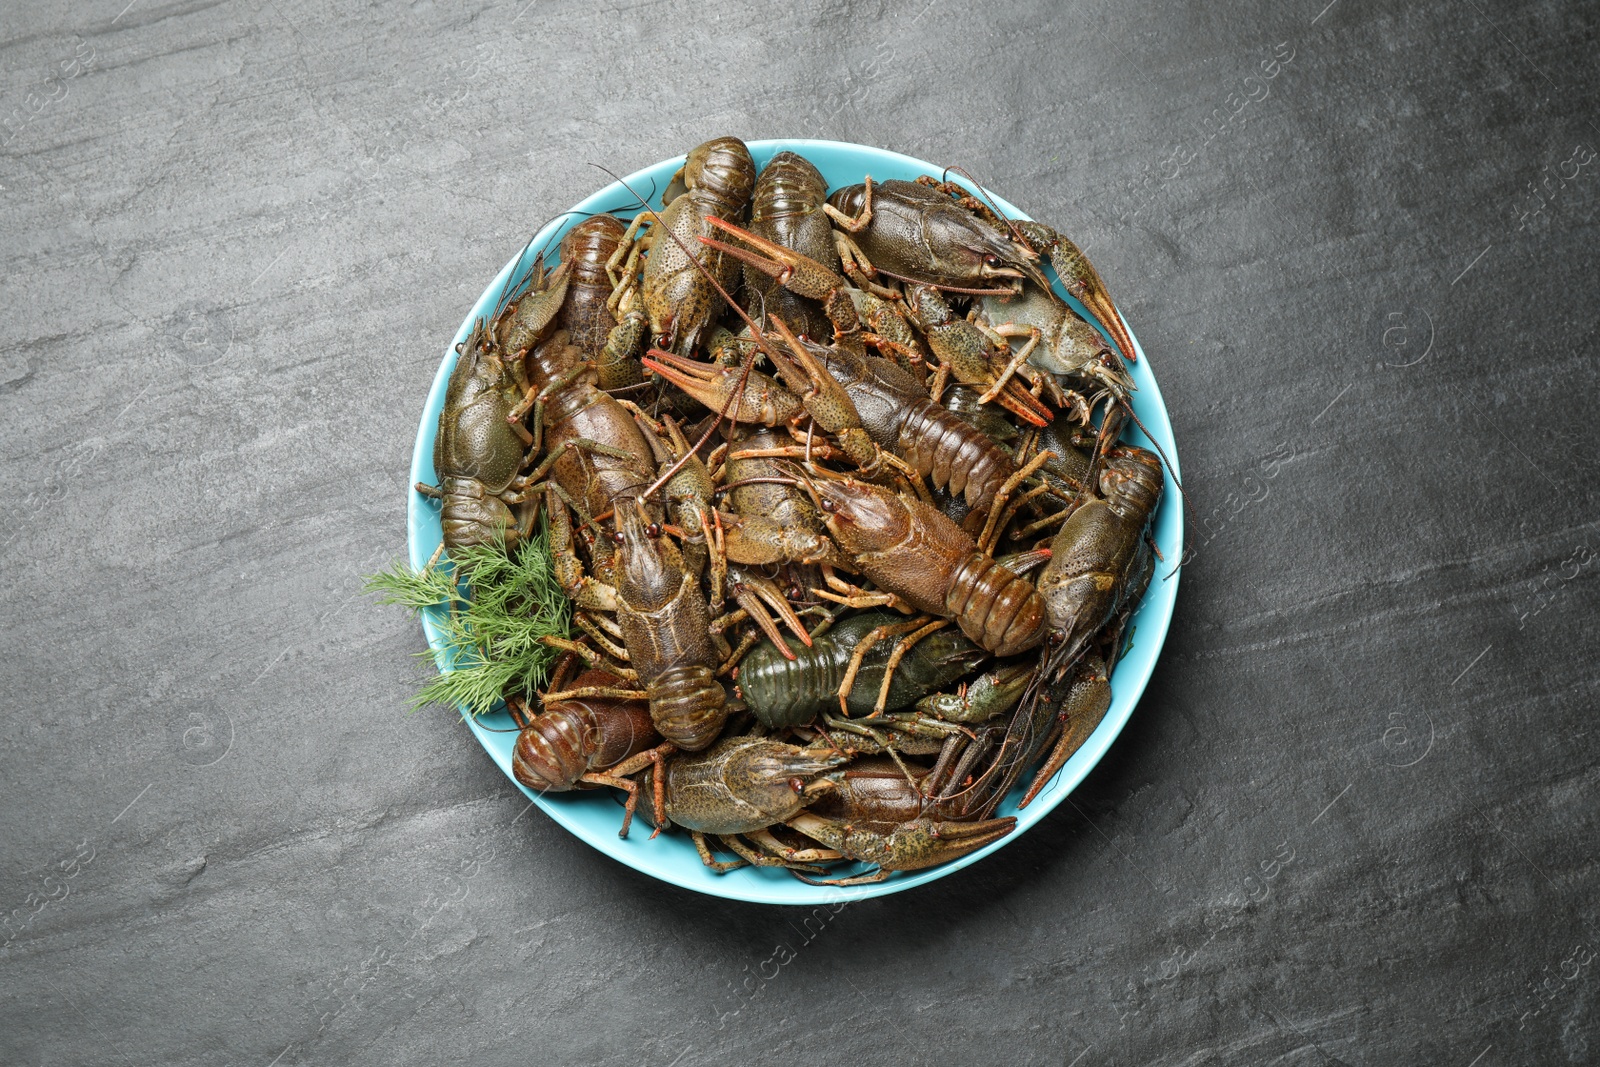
(1161, 596)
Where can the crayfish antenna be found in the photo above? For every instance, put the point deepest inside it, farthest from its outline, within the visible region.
(1010, 224)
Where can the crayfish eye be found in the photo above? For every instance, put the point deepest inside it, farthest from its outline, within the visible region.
(653, 530)
(1055, 638)
(617, 538)
(829, 506)
(992, 260)
(796, 784)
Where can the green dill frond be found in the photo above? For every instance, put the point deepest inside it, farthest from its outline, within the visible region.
(493, 606)
(399, 584)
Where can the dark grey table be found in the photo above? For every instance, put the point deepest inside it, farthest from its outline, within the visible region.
(1353, 819)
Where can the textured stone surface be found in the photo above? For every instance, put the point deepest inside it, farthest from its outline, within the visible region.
(236, 236)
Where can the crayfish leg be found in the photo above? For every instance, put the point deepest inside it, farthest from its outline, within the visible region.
(618, 777)
(859, 654)
(610, 691)
(746, 643)
(627, 785)
(859, 222)
(720, 866)
(880, 875)
(905, 644)
(772, 852)
(777, 854)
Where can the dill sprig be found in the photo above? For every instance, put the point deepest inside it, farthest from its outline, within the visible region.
(416, 590)
(492, 606)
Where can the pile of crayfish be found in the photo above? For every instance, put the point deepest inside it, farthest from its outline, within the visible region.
(835, 488)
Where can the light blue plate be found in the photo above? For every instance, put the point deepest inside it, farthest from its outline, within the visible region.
(595, 816)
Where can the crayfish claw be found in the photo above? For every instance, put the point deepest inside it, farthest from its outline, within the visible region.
(910, 846)
(762, 399)
(752, 591)
(1082, 281)
(795, 271)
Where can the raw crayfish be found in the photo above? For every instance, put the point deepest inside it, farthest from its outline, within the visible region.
(889, 412)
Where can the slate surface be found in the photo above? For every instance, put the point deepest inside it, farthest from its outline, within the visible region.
(1353, 819)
